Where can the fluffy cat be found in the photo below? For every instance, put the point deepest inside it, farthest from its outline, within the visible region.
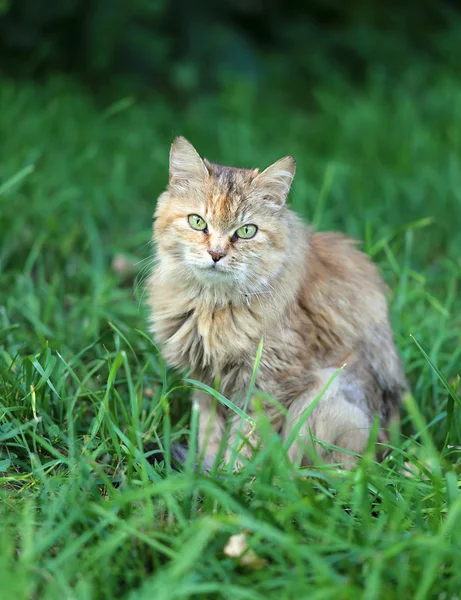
(233, 264)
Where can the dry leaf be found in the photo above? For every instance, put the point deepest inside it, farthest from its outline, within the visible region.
(148, 392)
(237, 547)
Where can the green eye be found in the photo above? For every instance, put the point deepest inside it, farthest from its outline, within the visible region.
(197, 222)
(246, 232)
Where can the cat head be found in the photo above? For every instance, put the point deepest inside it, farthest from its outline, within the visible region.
(223, 225)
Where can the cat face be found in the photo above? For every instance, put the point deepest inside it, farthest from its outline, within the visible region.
(223, 226)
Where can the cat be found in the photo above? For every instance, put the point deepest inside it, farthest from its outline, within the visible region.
(235, 265)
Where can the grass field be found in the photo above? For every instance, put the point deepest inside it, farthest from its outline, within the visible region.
(84, 515)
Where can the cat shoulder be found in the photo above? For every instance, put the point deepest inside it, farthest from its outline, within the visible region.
(343, 278)
(335, 257)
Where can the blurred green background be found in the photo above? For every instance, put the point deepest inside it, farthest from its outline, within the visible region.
(181, 46)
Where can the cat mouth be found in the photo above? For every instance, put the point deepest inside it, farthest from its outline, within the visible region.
(215, 272)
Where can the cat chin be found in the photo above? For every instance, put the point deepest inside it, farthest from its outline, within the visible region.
(214, 274)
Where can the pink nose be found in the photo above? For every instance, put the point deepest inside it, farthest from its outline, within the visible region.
(216, 255)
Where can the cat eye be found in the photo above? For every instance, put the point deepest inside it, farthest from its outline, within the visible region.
(246, 232)
(196, 222)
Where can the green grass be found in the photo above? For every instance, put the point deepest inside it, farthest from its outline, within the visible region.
(83, 389)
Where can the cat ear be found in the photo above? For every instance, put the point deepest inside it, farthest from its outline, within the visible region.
(186, 166)
(275, 181)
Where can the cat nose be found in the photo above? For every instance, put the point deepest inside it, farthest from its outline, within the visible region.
(216, 255)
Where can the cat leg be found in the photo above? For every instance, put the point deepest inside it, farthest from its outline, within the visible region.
(334, 420)
(242, 441)
(241, 435)
(211, 427)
